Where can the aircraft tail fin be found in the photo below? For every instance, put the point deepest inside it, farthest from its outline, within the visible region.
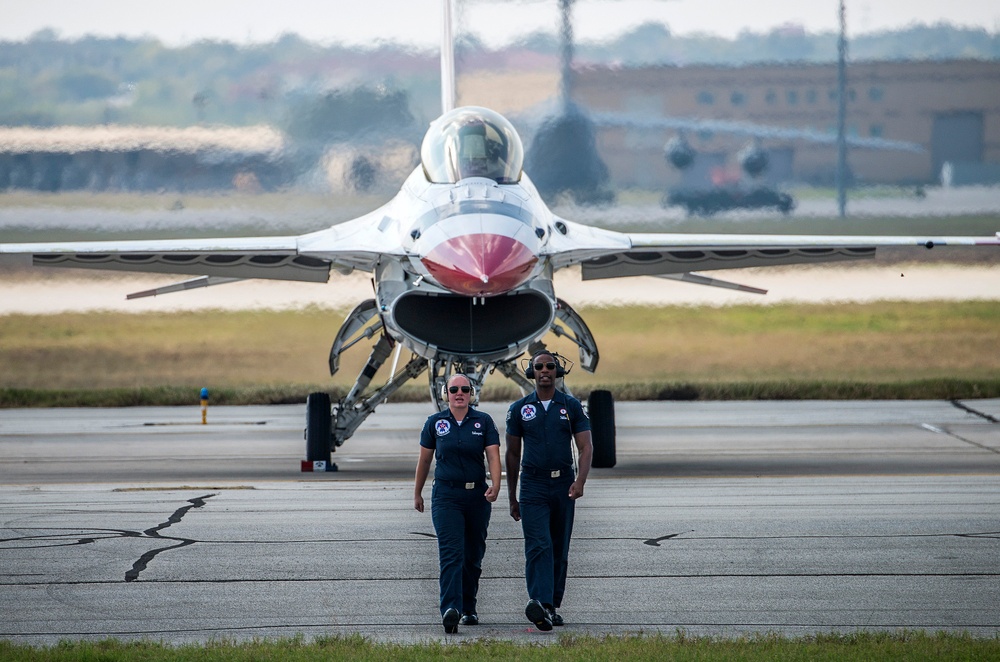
(447, 60)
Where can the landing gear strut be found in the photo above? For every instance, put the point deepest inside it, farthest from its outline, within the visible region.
(328, 427)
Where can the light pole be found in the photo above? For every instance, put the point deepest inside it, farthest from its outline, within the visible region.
(842, 115)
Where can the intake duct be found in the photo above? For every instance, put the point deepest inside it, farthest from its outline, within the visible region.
(481, 327)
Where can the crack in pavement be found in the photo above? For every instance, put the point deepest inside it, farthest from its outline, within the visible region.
(92, 536)
(154, 532)
(655, 542)
(974, 412)
(936, 430)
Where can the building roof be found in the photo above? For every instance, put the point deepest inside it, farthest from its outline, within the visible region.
(113, 138)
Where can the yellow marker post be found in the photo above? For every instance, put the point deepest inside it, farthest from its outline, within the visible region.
(204, 406)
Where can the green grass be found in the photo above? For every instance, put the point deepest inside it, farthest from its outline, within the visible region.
(879, 350)
(833, 647)
(169, 396)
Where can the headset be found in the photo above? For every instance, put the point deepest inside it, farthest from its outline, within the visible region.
(472, 394)
(561, 371)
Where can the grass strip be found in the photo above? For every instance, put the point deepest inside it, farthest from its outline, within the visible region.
(905, 645)
(795, 351)
(170, 396)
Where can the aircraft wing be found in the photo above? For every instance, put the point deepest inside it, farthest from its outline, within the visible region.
(608, 254)
(700, 125)
(355, 244)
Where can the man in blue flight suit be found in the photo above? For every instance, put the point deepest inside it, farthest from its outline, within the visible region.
(545, 424)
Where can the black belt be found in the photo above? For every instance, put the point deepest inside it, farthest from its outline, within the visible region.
(546, 473)
(470, 485)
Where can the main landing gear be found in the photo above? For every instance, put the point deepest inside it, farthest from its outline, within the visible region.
(601, 409)
(600, 403)
(329, 424)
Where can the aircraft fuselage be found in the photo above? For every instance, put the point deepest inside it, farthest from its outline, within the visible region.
(475, 283)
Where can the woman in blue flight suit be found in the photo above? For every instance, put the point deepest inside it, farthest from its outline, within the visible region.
(458, 438)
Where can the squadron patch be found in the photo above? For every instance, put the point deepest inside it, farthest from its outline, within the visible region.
(442, 427)
(528, 412)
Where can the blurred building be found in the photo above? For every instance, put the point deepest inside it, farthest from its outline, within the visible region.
(951, 109)
(134, 158)
(192, 159)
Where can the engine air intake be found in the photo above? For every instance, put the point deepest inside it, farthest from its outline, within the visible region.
(463, 325)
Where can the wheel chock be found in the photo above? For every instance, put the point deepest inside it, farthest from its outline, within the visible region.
(318, 465)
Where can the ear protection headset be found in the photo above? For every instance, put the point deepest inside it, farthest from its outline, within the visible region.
(444, 393)
(529, 370)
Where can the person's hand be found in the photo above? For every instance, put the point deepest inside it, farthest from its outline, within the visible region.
(515, 511)
(492, 492)
(418, 503)
(576, 490)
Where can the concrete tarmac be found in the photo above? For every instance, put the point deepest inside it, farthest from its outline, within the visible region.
(721, 518)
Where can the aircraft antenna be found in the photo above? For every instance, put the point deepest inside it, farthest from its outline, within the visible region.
(447, 61)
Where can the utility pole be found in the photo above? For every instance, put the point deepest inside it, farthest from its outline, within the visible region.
(566, 79)
(842, 114)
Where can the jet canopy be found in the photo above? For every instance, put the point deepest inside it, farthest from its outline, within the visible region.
(472, 142)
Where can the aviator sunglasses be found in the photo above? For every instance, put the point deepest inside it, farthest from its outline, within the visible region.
(548, 366)
(454, 389)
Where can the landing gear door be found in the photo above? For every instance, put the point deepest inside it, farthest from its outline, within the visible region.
(584, 339)
(355, 322)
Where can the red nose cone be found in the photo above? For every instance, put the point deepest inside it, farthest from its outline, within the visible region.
(480, 264)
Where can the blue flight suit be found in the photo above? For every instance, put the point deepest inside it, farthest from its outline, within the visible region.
(546, 509)
(459, 509)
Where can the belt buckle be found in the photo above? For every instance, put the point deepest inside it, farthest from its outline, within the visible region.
(469, 486)
(556, 473)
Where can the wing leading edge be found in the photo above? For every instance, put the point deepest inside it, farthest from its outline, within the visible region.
(356, 244)
(606, 254)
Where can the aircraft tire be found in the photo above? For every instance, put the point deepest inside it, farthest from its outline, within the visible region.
(318, 439)
(601, 409)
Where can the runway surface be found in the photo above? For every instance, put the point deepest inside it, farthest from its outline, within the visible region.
(721, 518)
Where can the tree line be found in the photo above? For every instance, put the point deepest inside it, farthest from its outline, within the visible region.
(306, 87)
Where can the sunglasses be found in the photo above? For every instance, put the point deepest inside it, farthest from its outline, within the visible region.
(548, 366)
(454, 389)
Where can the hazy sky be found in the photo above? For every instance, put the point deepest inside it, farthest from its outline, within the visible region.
(418, 21)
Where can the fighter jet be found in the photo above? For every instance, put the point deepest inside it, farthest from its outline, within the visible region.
(462, 260)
